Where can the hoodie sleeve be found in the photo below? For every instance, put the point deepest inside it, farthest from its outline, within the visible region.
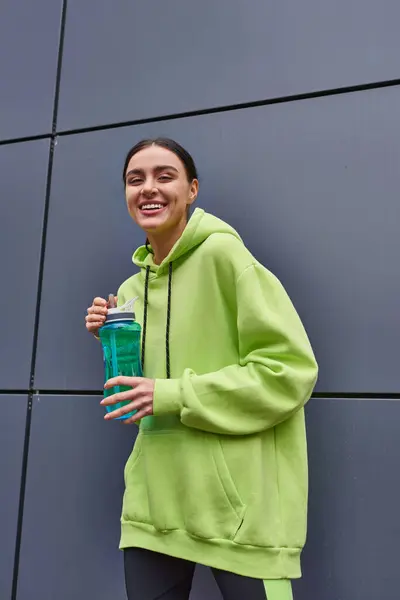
(274, 377)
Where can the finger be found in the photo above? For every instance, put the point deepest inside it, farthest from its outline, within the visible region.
(97, 310)
(93, 328)
(115, 299)
(94, 317)
(120, 397)
(124, 410)
(123, 380)
(100, 302)
(136, 417)
(94, 324)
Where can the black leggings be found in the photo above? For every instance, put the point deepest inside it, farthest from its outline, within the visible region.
(153, 576)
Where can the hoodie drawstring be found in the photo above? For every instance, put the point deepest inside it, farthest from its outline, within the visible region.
(168, 321)
(146, 296)
(146, 293)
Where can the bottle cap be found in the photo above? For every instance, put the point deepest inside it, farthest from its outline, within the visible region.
(120, 313)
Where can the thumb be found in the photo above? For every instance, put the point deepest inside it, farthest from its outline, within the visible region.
(115, 300)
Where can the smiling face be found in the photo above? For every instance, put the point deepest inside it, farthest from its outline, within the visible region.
(158, 191)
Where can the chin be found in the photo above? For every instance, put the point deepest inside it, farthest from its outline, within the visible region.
(152, 224)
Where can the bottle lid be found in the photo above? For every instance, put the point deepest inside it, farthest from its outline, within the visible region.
(120, 313)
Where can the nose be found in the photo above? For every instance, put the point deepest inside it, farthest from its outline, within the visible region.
(148, 188)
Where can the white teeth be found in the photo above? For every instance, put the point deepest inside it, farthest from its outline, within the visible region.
(150, 206)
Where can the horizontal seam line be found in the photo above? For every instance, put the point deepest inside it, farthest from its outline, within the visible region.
(237, 106)
(28, 138)
(208, 111)
(316, 395)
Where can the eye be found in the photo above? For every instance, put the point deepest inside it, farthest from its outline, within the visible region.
(134, 181)
(165, 178)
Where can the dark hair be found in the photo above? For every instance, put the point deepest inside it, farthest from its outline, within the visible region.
(168, 144)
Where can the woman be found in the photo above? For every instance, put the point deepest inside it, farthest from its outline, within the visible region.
(218, 474)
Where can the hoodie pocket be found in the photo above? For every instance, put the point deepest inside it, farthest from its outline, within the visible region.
(181, 481)
(133, 457)
(135, 506)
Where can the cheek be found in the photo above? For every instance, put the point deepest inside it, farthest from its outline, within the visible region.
(130, 198)
(130, 205)
(182, 195)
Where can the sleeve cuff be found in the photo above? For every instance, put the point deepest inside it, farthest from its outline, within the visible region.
(167, 399)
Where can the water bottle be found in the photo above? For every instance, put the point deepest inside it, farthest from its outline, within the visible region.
(120, 339)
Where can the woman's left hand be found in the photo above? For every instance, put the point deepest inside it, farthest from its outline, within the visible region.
(141, 396)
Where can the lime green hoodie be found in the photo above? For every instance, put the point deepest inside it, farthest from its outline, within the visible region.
(218, 474)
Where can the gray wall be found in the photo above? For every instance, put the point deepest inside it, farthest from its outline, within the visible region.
(308, 175)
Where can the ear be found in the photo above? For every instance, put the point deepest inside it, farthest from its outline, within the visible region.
(193, 191)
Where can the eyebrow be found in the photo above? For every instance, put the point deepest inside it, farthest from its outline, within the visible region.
(156, 170)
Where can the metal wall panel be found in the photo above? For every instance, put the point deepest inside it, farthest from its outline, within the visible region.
(73, 500)
(23, 172)
(12, 433)
(352, 549)
(328, 230)
(131, 60)
(72, 506)
(29, 36)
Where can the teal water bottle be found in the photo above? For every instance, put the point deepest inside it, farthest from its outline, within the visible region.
(120, 339)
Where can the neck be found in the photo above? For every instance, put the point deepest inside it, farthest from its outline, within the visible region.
(163, 242)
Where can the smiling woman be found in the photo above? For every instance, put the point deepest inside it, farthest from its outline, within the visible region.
(218, 474)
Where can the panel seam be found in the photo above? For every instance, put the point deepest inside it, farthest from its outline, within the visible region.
(238, 106)
(315, 396)
(28, 420)
(205, 111)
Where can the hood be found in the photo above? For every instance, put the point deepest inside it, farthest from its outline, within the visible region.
(200, 226)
